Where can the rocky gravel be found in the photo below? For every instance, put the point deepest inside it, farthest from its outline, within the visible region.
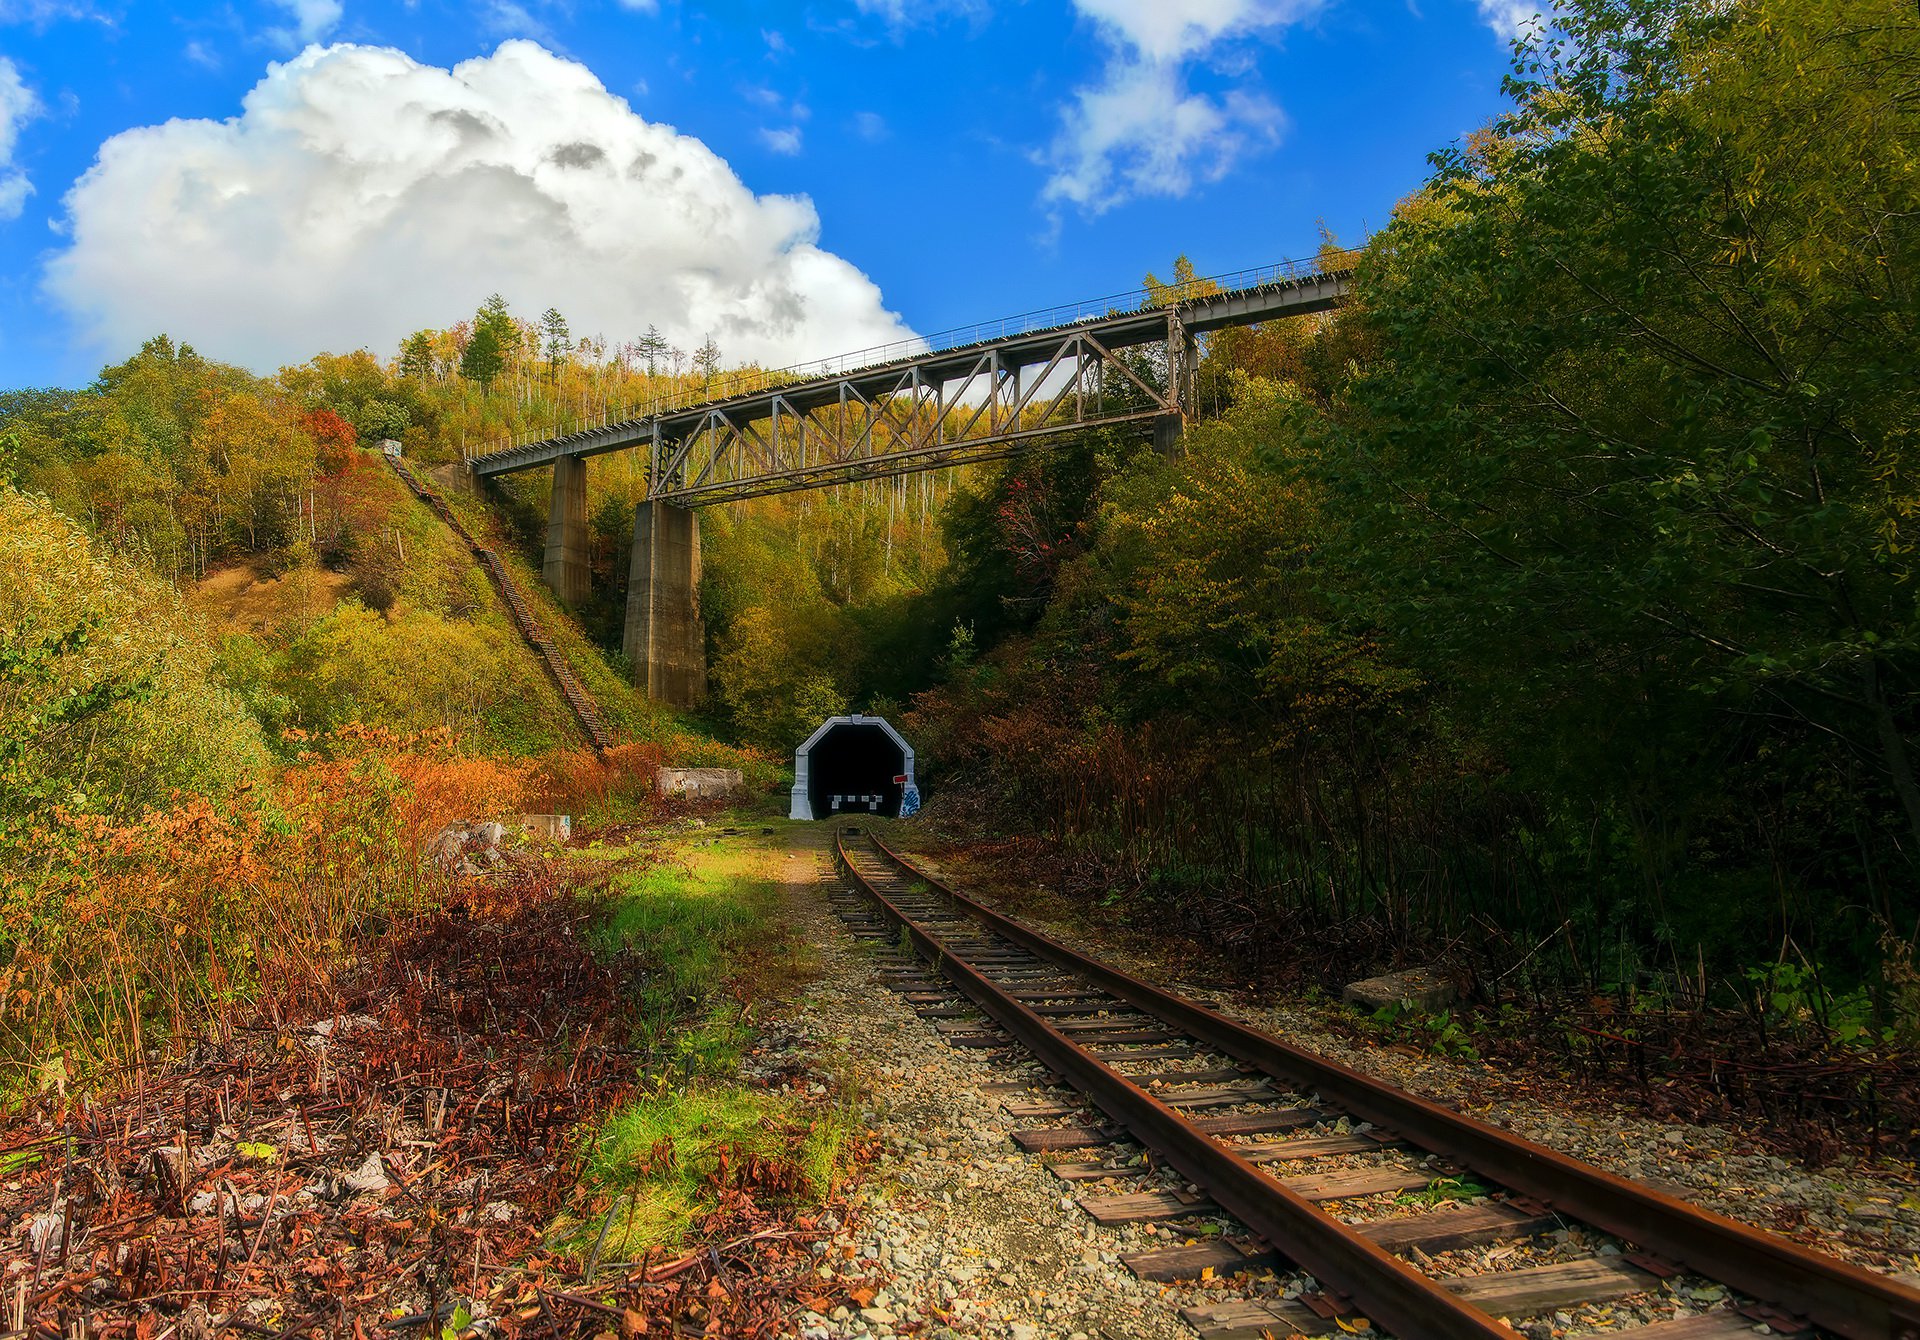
(978, 1238)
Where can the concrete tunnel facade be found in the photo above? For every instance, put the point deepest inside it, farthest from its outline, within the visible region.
(854, 765)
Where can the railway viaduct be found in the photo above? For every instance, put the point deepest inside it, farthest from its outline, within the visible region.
(977, 394)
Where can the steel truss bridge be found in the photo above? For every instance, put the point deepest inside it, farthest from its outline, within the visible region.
(972, 395)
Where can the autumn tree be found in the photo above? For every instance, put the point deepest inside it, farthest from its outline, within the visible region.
(1185, 285)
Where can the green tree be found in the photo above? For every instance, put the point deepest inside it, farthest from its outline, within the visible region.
(416, 356)
(483, 359)
(494, 338)
(651, 347)
(1631, 466)
(108, 701)
(558, 341)
(378, 419)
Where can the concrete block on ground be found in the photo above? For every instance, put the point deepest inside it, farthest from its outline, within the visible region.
(699, 783)
(455, 477)
(1424, 988)
(559, 827)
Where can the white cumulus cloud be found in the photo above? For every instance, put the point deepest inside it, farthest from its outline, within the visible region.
(1141, 129)
(1510, 17)
(312, 20)
(18, 105)
(782, 140)
(360, 195)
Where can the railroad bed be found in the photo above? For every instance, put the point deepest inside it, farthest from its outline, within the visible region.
(1236, 1122)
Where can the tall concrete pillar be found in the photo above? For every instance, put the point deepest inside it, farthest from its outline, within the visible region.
(1169, 432)
(1183, 369)
(665, 639)
(564, 567)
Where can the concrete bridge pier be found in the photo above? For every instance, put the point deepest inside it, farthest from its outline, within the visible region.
(1183, 368)
(1169, 432)
(564, 566)
(665, 639)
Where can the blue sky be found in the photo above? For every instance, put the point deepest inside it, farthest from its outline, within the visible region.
(267, 180)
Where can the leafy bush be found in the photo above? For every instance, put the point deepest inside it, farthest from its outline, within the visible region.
(133, 931)
(108, 700)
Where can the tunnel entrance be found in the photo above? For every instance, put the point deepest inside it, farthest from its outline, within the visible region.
(854, 765)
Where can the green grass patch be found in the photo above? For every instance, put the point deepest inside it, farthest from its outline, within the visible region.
(1444, 1189)
(664, 1162)
(703, 922)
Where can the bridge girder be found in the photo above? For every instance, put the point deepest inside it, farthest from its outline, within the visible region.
(980, 401)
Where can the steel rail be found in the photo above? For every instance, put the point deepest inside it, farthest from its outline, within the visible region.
(1834, 1295)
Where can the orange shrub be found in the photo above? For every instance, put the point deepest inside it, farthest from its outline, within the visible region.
(615, 788)
(163, 924)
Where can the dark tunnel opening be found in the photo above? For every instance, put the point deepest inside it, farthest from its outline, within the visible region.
(852, 770)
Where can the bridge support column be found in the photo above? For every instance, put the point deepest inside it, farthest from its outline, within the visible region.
(564, 567)
(665, 640)
(1183, 369)
(1169, 430)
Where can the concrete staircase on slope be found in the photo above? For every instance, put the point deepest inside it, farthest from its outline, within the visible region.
(579, 701)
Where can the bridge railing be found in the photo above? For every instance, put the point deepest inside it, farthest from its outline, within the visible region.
(753, 381)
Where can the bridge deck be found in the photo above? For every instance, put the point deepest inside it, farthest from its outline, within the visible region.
(905, 414)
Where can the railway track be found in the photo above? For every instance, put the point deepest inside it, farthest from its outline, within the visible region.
(1235, 1122)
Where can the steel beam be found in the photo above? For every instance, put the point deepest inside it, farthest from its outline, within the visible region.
(978, 401)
